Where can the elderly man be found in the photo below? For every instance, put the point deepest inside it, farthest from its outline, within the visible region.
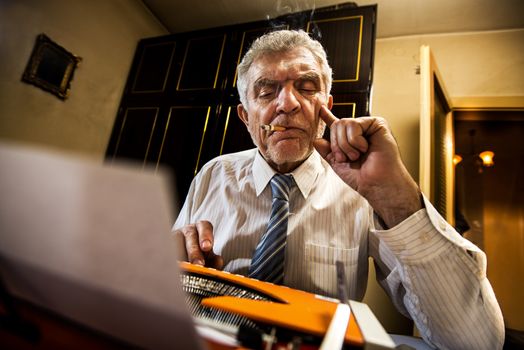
(287, 210)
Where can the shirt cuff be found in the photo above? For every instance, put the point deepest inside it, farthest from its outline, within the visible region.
(414, 239)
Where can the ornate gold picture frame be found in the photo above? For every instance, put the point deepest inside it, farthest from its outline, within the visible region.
(51, 67)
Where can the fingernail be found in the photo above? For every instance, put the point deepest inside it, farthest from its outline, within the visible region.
(198, 262)
(206, 245)
(353, 155)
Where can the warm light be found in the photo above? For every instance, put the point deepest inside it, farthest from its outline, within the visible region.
(457, 159)
(487, 158)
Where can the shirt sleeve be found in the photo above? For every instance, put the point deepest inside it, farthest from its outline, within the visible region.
(184, 215)
(438, 278)
(195, 196)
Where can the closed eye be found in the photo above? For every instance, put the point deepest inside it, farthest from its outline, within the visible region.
(308, 91)
(265, 88)
(266, 93)
(308, 85)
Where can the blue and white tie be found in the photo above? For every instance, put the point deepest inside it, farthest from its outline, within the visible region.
(268, 261)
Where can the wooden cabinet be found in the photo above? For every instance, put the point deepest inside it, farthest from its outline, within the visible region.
(179, 104)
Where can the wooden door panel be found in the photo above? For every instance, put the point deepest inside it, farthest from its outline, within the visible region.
(153, 68)
(351, 105)
(135, 134)
(233, 134)
(348, 36)
(202, 63)
(342, 37)
(183, 142)
(344, 109)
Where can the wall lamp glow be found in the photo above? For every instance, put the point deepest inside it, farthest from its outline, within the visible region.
(487, 158)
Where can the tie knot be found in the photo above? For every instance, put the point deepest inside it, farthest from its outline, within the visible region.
(280, 186)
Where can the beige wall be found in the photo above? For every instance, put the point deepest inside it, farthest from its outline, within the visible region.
(105, 34)
(479, 64)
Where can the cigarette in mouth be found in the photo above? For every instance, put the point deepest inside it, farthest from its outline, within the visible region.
(270, 127)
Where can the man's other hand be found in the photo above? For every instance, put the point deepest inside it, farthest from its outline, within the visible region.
(198, 243)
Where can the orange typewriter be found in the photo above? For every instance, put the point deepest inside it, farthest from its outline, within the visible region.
(262, 315)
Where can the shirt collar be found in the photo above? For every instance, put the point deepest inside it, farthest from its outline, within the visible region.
(305, 175)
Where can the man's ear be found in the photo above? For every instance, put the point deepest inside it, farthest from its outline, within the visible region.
(242, 114)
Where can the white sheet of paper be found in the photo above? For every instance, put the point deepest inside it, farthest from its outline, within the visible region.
(93, 243)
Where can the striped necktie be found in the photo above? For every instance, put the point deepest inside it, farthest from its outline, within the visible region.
(268, 261)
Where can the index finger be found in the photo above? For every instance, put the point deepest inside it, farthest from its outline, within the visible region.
(205, 235)
(190, 241)
(326, 115)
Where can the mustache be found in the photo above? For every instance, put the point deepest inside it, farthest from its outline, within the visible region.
(286, 119)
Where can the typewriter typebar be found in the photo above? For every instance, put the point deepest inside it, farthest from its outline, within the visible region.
(261, 308)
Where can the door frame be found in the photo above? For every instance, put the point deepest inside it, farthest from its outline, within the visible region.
(436, 138)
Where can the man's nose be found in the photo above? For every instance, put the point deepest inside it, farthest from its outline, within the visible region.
(287, 101)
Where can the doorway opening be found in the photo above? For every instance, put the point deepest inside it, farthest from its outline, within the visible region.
(489, 201)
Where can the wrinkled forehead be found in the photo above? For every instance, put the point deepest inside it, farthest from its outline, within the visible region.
(282, 66)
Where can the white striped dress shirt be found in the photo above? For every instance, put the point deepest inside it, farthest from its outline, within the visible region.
(431, 273)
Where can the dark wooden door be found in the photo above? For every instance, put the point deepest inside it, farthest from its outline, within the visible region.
(178, 109)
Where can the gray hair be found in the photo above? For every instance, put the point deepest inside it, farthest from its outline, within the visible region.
(281, 41)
